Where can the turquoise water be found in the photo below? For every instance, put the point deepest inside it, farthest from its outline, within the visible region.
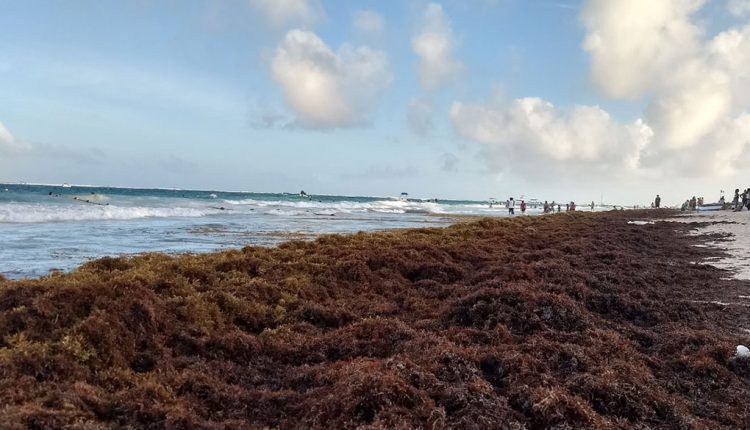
(45, 228)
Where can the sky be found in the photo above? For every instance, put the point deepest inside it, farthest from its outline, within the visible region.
(553, 99)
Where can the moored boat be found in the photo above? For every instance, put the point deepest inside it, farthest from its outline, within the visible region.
(710, 207)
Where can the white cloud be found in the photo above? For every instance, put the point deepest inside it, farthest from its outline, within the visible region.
(532, 132)
(697, 89)
(434, 44)
(687, 109)
(369, 22)
(636, 44)
(285, 13)
(9, 144)
(729, 51)
(739, 8)
(329, 89)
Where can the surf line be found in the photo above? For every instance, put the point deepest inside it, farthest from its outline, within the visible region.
(80, 200)
(90, 202)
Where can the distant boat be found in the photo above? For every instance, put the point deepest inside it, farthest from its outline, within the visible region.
(404, 197)
(710, 207)
(66, 185)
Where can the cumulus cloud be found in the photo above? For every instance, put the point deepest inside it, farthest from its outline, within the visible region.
(9, 144)
(696, 89)
(286, 13)
(328, 89)
(729, 51)
(635, 44)
(532, 131)
(368, 22)
(739, 8)
(434, 44)
(696, 86)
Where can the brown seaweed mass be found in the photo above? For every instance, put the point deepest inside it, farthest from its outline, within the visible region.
(566, 321)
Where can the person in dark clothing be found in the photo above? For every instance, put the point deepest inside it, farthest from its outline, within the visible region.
(657, 201)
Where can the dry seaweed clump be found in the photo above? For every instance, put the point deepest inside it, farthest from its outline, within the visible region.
(567, 321)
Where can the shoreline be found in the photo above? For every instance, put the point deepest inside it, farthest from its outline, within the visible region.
(729, 228)
(576, 319)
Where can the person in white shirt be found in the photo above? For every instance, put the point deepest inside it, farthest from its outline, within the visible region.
(511, 206)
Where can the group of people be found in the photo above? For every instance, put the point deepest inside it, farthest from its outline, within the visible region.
(548, 207)
(569, 207)
(741, 201)
(692, 203)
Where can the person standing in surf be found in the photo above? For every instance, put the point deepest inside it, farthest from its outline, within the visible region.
(523, 207)
(511, 206)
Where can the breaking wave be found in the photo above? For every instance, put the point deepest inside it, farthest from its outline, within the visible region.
(31, 213)
(378, 206)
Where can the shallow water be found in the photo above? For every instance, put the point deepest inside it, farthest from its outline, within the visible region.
(45, 228)
(737, 246)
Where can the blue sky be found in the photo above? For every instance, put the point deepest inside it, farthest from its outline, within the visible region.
(452, 99)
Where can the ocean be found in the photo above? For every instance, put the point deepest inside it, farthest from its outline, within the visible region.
(45, 228)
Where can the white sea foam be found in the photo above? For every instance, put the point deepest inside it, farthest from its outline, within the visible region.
(33, 213)
(378, 206)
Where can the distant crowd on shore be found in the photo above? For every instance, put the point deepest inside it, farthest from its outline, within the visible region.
(692, 203)
(548, 207)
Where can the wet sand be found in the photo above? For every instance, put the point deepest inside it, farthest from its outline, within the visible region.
(732, 230)
(565, 321)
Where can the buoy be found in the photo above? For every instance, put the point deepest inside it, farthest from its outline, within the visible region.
(742, 351)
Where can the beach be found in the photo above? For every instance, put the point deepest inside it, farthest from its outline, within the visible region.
(731, 230)
(567, 321)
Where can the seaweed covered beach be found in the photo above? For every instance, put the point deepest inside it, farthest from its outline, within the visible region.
(567, 321)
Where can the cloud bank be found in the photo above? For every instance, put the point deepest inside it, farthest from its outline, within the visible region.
(328, 89)
(531, 130)
(696, 88)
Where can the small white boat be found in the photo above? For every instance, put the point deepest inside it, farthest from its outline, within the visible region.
(404, 197)
(710, 207)
(66, 185)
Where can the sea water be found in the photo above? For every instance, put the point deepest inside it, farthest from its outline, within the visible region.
(44, 227)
